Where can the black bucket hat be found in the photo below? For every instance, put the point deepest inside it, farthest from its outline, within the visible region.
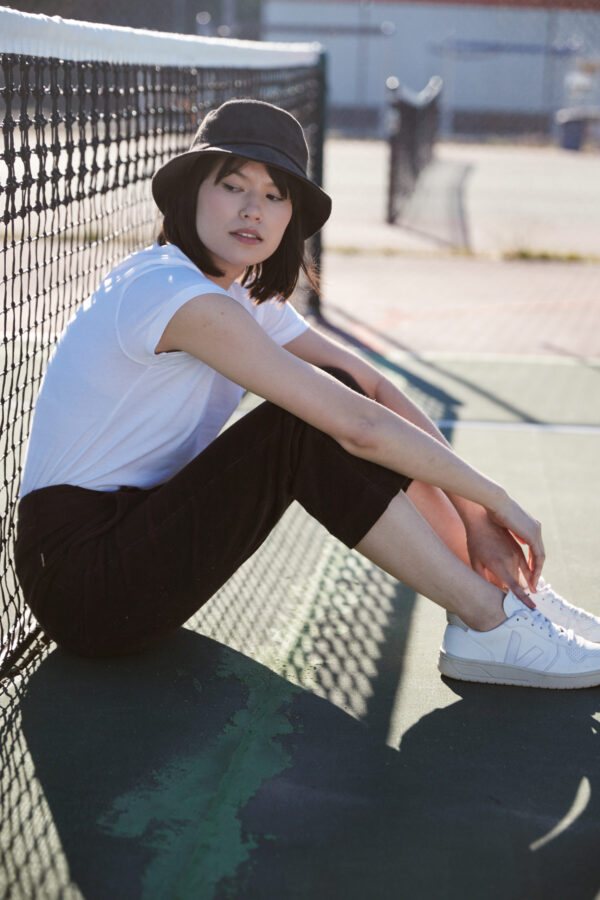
(258, 131)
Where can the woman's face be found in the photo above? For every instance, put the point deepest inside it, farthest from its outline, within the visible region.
(241, 219)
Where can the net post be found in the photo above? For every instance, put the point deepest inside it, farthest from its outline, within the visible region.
(313, 301)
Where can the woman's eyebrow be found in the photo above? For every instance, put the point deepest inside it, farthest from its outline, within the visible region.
(270, 184)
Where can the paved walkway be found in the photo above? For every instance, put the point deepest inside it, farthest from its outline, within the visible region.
(439, 281)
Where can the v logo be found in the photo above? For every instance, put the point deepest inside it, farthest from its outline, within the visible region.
(512, 653)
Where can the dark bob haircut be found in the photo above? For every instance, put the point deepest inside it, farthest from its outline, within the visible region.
(274, 278)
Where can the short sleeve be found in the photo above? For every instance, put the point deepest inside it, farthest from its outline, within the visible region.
(149, 302)
(280, 321)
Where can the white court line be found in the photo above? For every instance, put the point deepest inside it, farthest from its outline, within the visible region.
(581, 800)
(538, 359)
(555, 427)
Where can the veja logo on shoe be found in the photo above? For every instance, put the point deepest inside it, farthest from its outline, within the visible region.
(512, 657)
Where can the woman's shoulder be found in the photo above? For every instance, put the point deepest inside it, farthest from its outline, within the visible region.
(158, 257)
(156, 268)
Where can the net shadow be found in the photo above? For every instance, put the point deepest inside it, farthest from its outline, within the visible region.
(319, 614)
(305, 608)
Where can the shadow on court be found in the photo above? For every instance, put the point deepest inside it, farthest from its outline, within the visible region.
(194, 772)
(438, 402)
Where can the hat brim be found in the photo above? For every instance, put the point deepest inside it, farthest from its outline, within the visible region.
(316, 203)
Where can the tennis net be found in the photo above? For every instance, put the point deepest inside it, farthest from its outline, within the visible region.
(89, 113)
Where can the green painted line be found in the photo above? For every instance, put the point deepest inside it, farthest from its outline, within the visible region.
(189, 813)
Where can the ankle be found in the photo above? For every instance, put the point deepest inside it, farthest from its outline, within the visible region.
(486, 616)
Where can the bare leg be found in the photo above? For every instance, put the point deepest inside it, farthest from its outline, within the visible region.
(404, 544)
(435, 507)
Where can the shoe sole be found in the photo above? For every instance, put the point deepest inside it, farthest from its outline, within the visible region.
(498, 673)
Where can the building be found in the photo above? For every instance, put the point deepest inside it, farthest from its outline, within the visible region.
(507, 67)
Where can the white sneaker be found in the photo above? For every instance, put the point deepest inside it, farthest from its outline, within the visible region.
(527, 649)
(561, 612)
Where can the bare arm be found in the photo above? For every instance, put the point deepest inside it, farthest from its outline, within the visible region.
(320, 350)
(219, 331)
(493, 550)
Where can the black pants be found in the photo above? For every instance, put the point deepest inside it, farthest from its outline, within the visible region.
(112, 572)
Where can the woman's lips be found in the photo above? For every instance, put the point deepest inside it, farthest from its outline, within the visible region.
(246, 236)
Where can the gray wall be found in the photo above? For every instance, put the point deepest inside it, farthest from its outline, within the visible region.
(367, 42)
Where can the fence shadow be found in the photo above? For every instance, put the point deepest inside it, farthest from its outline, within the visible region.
(434, 399)
(194, 772)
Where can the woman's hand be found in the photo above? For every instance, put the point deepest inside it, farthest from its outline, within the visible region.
(497, 556)
(514, 524)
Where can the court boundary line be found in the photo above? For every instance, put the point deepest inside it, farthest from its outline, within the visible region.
(554, 427)
(535, 359)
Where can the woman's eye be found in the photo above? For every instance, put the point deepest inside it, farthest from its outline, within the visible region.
(230, 187)
(274, 197)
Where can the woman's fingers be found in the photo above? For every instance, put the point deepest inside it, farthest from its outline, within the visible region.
(514, 585)
(506, 570)
(479, 568)
(506, 579)
(528, 531)
(517, 571)
(531, 568)
(536, 560)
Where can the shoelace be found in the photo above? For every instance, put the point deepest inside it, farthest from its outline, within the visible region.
(538, 620)
(556, 600)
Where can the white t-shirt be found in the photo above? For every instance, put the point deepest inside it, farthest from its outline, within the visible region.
(112, 412)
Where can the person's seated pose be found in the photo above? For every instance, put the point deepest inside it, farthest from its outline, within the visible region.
(136, 506)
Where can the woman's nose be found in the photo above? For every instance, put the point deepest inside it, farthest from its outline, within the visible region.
(252, 209)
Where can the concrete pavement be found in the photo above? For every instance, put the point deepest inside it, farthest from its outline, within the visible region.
(440, 280)
(487, 199)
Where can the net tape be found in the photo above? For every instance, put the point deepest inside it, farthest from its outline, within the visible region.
(81, 142)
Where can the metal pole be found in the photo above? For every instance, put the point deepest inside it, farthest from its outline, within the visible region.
(180, 17)
(447, 113)
(549, 66)
(316, 243)
(362, 62)
(229, 17)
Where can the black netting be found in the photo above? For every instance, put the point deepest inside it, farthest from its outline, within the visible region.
(81, 142)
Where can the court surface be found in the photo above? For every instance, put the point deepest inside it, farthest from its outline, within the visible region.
(296, 739)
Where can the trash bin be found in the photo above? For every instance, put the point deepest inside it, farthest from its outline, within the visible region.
(571, 123)
(572, 133)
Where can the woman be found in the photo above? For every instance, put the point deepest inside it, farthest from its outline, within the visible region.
(135, 510)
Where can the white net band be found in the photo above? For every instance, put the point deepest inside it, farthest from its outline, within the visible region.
(51, 36)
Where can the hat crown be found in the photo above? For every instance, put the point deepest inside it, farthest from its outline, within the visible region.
(240, 123)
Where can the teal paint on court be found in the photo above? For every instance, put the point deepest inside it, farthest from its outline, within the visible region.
(188, 815)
